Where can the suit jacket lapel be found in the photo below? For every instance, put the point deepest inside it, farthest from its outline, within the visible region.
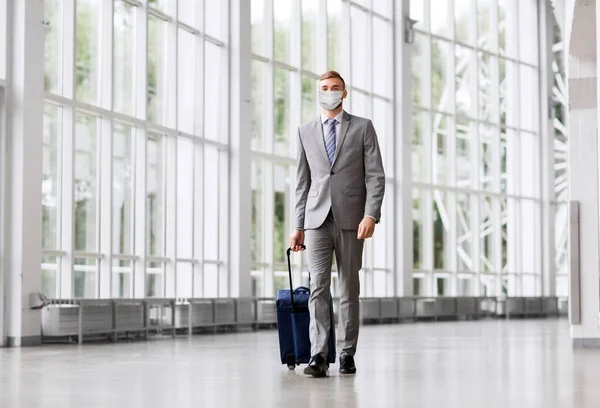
(320, 138)
(341, 137)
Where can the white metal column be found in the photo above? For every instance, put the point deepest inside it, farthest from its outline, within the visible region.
(240, 198)
(106, 152)
(3, 220)
(24, 178)
(170, 153)
(403, 239)
(198, 267)
(450, 252)
(548, 271)
(67, 145)
(4, 23)
(583, 176)
(141, 153)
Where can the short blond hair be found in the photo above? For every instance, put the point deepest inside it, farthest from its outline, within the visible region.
(332, 74)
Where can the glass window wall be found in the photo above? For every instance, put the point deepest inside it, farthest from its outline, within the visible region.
(134, 178)
(288, 57)
(136, 174)
(476, 148)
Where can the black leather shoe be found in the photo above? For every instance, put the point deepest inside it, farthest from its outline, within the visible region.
(317, 367)
(347, 364)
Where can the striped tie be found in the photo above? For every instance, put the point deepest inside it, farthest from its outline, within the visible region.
(330, 141)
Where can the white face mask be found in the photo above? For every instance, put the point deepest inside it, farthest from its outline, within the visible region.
(330, 100)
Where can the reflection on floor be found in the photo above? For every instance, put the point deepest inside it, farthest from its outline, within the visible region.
(518, 363)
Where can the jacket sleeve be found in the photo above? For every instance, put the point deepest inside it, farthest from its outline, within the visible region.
(374, 174)
(303, 181)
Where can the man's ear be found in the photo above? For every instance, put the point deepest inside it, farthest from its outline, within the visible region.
(345, 94)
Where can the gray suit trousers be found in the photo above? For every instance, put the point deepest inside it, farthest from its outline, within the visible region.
(321, 244)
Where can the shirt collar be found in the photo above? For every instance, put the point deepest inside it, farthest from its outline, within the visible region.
(338, 117)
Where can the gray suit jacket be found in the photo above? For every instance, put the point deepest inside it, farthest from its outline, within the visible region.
(353, 186)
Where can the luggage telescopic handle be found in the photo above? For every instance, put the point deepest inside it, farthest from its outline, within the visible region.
(289, 251)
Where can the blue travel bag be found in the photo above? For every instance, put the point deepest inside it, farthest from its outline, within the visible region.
(293, 321)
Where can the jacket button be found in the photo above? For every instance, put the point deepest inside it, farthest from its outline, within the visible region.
(331, 173)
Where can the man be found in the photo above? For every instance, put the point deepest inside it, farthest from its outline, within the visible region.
(339, 193)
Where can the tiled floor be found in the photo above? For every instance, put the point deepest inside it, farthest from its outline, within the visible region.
(522, 363)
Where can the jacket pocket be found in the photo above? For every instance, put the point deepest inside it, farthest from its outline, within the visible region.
(356, 192)
(313, 193)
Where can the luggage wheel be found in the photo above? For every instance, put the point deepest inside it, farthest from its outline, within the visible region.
(290, 360)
